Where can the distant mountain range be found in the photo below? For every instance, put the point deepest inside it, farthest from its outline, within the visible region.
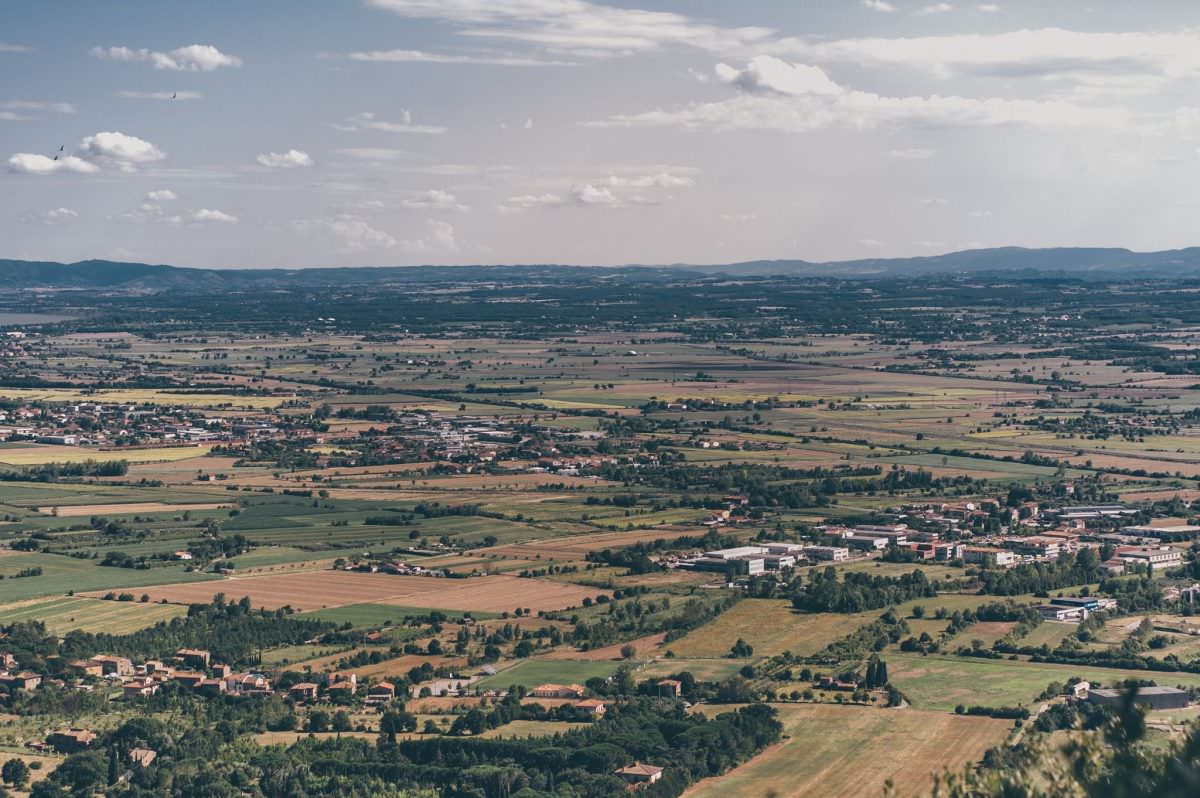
(1067, 262)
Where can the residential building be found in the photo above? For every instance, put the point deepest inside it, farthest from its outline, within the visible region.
(639, 773)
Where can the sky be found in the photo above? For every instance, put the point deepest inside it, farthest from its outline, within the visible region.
(256, 133)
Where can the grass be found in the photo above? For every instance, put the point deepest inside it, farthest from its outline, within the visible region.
(941, 682)
(771, 626)
(846, 750)
(40, 455)
(532, 672)
(62, 574)
(62, 615)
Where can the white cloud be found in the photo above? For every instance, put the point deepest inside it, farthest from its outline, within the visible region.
(937, 201)
(423, 57)
(913, 154)
(526, 202)
(162, 195)
(1046, 53)
(37, 105)
(211, 215)
(354, 232)
(368, 121)
(31, 164)
(577, 28)
(870, 243)
(443, 235)
(739, 217)
(434, 200)
(660, 180)
(879, 5)
(935, 8)
(528, 124)
(588, 194)
(284, 160)
(8, 47)
(52, 216)
(767, 74)
(988, 8)
(192, 58)
(121, 150)
(159, 95)
(799, 98)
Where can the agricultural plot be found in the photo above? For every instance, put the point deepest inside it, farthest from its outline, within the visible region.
(41, 454)
(849, 750)
(378, 615)
(61, 574)
(532, 672)
(67, 614)
(771, 626)
(941, 682)
(313, 590)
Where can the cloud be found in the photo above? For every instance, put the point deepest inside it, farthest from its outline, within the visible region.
(422, 57)
(162, 195)
(870, 243)
(192, 58)
(368, 121)
(935, 8)
(284, 160)
(434, 200)
(577, 28)
(124, 152)
(8, 47)
(879, 5)
(527, 202)
(528, 124)
(988, 8)
(1043, 53)
(938, 201)
(443, 235)
(205, 215)
(37, 105)
(767, 74)
(587, 194)
(776, 95)
(660, 180)
(738, 217)
(355, 233)
(31, 164)
(53, 216)
(159, 95)
(913, 154)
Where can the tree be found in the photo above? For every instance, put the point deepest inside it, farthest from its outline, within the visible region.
(341, 721)
(628, 651)
(318, 721)
(15, 772)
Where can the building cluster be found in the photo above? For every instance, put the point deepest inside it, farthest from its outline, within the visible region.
(104, 424)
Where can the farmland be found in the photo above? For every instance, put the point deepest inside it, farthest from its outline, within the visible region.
(448, 513)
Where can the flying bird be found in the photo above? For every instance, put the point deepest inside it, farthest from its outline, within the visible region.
(174, 94)
(61, 146)
(56, 157)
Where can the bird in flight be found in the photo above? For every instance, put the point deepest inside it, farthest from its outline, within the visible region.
(174, 94)
(61, 146)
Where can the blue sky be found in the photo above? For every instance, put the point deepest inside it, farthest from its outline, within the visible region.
(533, 131)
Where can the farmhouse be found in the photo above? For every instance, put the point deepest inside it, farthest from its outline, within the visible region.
(193, 658)
(381, 693)
(70, 740)
(593, 706)
(1150, 697)
(142, 757)
(304, 691)
(115, 666)
(670, 687)
(639, 773)
(26, 680)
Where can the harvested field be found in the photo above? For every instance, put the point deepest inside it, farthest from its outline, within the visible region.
(314, 590)
(76, 510)
(849, 750)
(576, 547)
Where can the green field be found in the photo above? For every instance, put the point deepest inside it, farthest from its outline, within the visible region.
(941, 682)
(532, 672)
(62, 615)
(62, 574)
